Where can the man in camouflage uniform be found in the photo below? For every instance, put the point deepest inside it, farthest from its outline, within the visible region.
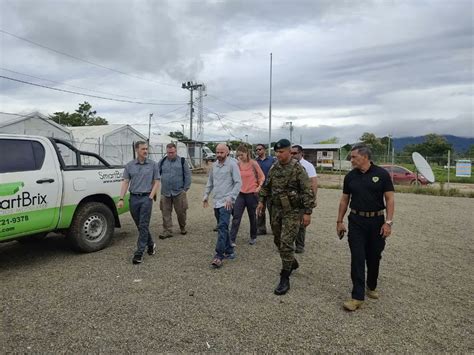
(289, 190)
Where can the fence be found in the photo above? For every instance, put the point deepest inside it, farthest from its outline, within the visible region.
(444, 172)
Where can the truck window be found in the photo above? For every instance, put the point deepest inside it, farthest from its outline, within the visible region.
(23, 155)
(69, 156)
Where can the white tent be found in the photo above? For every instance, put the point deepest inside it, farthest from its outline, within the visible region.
(34, 124)
(113, 142)
(158, 144)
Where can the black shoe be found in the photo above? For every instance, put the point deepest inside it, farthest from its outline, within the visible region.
(137, 258)
(151, 250)
(216, 229)
(284, 284)
(165, 236)
(299, 250)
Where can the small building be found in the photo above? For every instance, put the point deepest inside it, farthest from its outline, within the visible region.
(34, 124)
(113, 142)
(195, 151)
(322, 155)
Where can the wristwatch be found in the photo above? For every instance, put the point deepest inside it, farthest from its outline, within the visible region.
(390, 223)
(308, 211)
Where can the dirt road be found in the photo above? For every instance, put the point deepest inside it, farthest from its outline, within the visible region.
(54, 300)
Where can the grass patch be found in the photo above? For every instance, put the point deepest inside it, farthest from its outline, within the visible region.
(420, 190)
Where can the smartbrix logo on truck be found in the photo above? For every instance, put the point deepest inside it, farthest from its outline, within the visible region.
(48, 185)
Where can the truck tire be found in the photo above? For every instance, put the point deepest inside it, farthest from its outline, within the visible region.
(92, 227)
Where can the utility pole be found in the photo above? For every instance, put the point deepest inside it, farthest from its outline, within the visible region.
(182, 125)
(191, 87)
(246, 138)
(149, 127)
(270, 110)
(290, 123)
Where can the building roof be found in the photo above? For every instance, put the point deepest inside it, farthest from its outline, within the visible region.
(322, 146)
(83, 132)
(7, 119)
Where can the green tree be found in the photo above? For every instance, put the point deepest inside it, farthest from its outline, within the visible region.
(374, 143)
(83, 116)
(470, 151)
(178, 135)
(434, 147)
(332, 140)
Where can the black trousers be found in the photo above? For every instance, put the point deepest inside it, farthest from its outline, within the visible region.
(366, 245)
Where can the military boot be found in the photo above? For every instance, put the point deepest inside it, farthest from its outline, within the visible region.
(294, 266)
(284, 284)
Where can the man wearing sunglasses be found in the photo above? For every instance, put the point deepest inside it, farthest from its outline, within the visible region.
(297, 153)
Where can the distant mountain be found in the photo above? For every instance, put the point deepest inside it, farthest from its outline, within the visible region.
(460, 144)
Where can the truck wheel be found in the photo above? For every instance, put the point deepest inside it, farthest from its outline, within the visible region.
(92, 227)
(34, 238)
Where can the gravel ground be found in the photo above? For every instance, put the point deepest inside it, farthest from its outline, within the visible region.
(54, 300)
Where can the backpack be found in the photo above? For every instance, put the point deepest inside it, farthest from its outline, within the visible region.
(182, 166)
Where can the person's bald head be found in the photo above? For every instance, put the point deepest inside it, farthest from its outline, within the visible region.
(221, 152)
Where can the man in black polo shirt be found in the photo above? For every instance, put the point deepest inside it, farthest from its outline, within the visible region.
(366, 186)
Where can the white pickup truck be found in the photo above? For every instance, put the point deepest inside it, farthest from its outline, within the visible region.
(48, 185)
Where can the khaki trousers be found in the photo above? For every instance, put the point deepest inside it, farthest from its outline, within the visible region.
(180, 205)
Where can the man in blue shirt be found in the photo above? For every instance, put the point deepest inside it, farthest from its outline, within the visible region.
(142, 178)
(175, 182)
(225, 181)
(265, 164)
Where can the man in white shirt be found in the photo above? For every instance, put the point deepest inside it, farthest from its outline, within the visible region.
(297, 153)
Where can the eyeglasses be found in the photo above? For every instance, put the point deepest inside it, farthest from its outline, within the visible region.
(258, 149)
(294, 153)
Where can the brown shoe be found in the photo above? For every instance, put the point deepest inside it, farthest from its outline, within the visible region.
(372, 294)
(352, 304)
(216, 263)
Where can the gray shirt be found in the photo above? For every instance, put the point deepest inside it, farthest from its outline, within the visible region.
(142, 176)
(172, 180)
(224, 179)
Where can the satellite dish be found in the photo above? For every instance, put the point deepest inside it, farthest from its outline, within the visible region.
(423, 167)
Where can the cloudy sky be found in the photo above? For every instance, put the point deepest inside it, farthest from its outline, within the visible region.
(340, 68)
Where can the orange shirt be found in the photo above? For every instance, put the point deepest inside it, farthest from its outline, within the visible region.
(252, 176)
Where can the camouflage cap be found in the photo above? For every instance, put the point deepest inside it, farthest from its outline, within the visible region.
(282, 143)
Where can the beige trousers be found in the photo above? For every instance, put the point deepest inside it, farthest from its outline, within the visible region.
(180, 205)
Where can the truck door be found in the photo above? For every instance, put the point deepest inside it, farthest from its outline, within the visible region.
(30, 187)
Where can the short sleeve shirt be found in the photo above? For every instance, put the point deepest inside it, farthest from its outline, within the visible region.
(367, 189)
(310, 170)
(141, 175)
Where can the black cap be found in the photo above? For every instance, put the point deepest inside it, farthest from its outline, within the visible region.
(282, 143)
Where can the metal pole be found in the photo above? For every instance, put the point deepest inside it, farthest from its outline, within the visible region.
(183, 129)
(340, 168)
(270, 111)
(388, 148)
(449, 165)
(149, 127)
(191, 115)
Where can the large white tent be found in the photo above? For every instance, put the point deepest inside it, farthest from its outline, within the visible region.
(113, 142)
(33, 124)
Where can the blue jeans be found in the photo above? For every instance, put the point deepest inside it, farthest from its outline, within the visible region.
(140, 209)
(223, 245)
(250, 201)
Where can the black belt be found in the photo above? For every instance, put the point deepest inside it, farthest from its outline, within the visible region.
(140, 193)
(368, 214)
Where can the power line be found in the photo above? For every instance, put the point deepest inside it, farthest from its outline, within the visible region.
(88, 95)
(236, 122)
(84, 60)
(77, 87)
(239, 107)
